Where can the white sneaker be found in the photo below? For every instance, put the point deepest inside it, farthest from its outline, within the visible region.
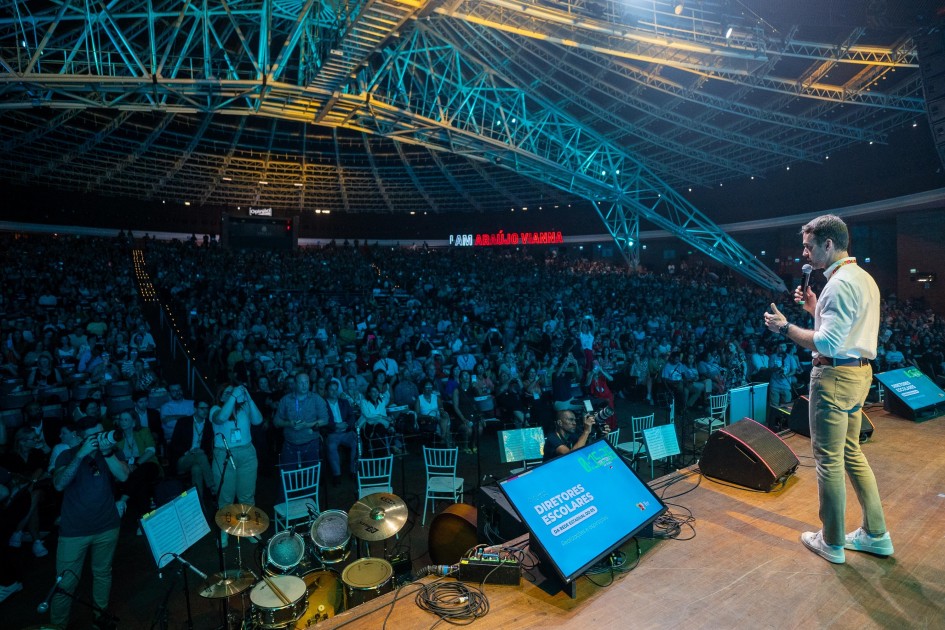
(122, 506)
(39, 549)
(6, 591)
(16, 540)
(816, 543)
(861, 540)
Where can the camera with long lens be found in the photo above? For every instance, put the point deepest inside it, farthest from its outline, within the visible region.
(600, 418)
(106, 439)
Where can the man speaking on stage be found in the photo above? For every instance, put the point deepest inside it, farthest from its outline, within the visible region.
(843, 341)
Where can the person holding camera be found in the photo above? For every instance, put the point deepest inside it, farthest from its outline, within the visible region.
(232, 418)
(596, 386)
(86, 475)
(565, 437)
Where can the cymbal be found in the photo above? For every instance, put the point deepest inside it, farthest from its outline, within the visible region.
(241, 519)
(377, 516)
(226, 584)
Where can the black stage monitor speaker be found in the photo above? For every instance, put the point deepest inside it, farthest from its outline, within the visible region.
(748, 454)
(498, 521)
(800, 420)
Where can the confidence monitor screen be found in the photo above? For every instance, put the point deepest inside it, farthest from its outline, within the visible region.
(580, 506)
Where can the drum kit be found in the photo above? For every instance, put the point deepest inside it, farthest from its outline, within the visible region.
(300, 582)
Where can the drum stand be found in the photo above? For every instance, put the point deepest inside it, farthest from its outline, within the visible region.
(224, 605)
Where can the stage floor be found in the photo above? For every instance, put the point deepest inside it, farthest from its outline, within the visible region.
(745, 567)
(741, 566)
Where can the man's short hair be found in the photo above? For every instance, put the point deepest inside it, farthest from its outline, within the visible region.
(828, 226)
(86, 423)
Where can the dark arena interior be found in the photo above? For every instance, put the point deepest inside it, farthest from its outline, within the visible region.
(531, 314)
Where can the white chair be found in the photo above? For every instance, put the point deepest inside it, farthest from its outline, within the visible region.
(300, 488)
(613, 437)
(718, 405)
(374, 475)
(636, 447)
(442, 482)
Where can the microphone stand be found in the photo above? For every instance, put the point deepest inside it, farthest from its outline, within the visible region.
(223, 604)
(106, 620)
(161, 618)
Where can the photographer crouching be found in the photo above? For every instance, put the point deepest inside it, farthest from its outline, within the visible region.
(565, 437)
(86, 475)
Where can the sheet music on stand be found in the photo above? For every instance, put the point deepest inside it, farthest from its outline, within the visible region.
(517, 445)
(661, 441)
(174, 527)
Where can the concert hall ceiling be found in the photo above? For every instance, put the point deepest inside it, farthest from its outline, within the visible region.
(632, 107)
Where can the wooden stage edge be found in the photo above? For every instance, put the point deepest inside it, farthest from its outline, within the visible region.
(743, 565)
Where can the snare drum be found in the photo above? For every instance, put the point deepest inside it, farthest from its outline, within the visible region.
(331, 536)
(326, 597)
(366, 579)
(284, 552)
(269, 611)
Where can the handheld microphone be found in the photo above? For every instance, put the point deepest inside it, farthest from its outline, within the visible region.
(806, 269)
(196, 571)
(229, 455)
(43, 607)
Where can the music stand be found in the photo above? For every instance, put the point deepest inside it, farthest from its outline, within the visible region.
(171, 530)
(519, 445)
(661, 442)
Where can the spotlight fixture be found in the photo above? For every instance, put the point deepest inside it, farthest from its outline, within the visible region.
(728, 31)
(680, 6)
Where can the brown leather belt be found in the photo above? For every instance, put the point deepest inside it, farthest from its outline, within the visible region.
(856, 362)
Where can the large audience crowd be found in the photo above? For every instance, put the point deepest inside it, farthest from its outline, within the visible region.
(351, 348)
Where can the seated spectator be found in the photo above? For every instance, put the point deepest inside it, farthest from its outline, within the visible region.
(136, 448)
(68, 438)
(141, 376)
(655, 364)
(779, 386)
(148, 418)
(895, 359)
(673, 376)
(467, 415)
(385, 363)
(30, 463)
(191, 449)
(710, 369)
(15, 504)
(176, 407)
(697, 385)
(482, 380)
(341, 431)
(376, 425)
(508, 397)
(431, 416)
(44, 374)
